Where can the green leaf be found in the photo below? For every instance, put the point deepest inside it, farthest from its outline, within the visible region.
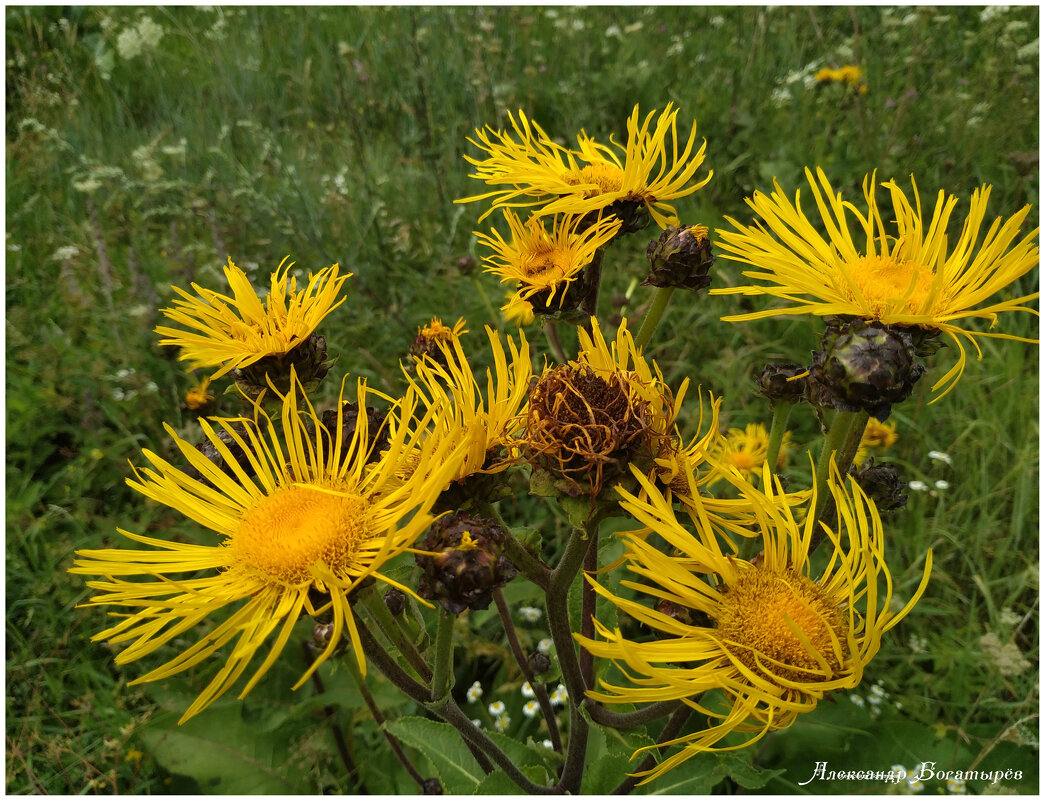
(497, 783)
(225, 754)
(457, 769)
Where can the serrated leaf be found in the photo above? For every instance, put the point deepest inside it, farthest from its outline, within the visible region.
(224, 754)
(497, 783)
(456, 767)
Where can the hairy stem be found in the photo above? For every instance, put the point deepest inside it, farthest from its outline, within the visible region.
(389, 626)
(653, 316)
(538, 688)
(629, 720)
(444, 656)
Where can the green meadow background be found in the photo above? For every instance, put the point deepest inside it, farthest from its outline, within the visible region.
(145, 147)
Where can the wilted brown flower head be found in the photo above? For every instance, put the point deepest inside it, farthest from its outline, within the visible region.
(463, 563)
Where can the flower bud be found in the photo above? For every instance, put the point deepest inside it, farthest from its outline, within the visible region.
(377, 433)
(395, 600)
(432, 787)
(680, 258)
(776, 382)
(464, 563)
(882, 484)
(865, 366)
(539, 663)
(208, 449)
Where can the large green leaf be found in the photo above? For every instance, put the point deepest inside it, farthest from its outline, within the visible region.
(454, 764)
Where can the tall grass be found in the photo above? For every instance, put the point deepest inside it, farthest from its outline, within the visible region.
(336, 135)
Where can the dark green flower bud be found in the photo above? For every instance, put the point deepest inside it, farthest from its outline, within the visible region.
(539, 663)
(395, 600)
(466, 265)
(882, 484)
(377, 433)
(309, 360)
(208, 449)
(432, 787)
(464, 562)
(680, 258)
(776, 382)
(865, 366)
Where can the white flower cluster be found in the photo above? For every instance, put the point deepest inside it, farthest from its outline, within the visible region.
(141, 37)
(530, 614)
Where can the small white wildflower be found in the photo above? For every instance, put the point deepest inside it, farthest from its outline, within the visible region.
(957, 786)
(548, 744)
(496, 708)
(1008, 618)
(502, 723)
(87, 186)
(150, 32)
(614, 31)
(781, 96)
(991, 12)
(124, 372)
(129, 44)
(545, 645)
(530, 614)
(918, 486)
(635, 27)
(578, 24)
(939, 456)
(717, 21)
(527, 691)
(899, 770)
(857, 699)
(559, 696)
(477, 723)
(65, 253)
(475, 692)
(118, 394)
(913, 781)
(877, 694)
(1029, 51)
(1015, 26)
(1006, 658)
(150, 388)
(942, 485)
(531, 708)
(917, 644)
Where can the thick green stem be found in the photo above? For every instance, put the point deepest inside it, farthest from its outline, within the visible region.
(389, 626)
(652, 318)
(444, 656)
(553, 340)
(629, 720)
(576, 750)
(558, 613)
(841, 443)
(593, 282)
(781, 411)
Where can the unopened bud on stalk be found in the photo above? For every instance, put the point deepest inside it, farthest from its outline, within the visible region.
(539, 663)
(395, 600)
(865, 366)
(778, 382)
(208, 449)
(882, 484)
(466, 265)
(377, 433)
(681, 258)
(432, 787)
(464, 562)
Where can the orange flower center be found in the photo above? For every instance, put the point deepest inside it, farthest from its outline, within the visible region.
(545, 265)
(608, 177)
(890, 286)
(783, 625)
(744, 461)
(287, 533)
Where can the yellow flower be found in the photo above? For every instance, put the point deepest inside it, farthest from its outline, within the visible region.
(590, 418)
(197, 396)
(746, 449)
(435, 330)
(767, 636)
(303, 515)
(850, 74)
(544, 264)
(877, 436)
(915, 277)
(517, 311)
(481, 422)
(540, 172)
(235, 332)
